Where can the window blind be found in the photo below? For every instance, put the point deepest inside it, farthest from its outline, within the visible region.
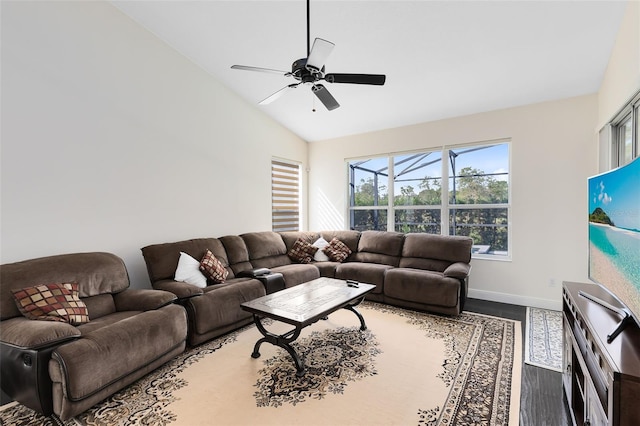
(285, 196)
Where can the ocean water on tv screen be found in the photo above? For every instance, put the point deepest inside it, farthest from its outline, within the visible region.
(622, 248)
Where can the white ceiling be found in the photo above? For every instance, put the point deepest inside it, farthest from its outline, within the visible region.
(441, 58)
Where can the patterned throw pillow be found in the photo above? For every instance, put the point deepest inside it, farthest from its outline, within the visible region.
(52, 302)
(213, 268)
(337, 250)
(302, 251)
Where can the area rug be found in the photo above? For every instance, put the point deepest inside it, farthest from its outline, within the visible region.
(406, 368)
(543, 339)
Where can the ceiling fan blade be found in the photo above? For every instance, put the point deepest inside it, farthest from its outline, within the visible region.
(277, 94)
(325, 97)
(375, 79)
(247, 68)
(319, 53)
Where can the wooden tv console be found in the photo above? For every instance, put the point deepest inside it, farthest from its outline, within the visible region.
(601, 380)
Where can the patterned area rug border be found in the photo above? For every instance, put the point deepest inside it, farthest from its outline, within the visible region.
(543, 339)
(482, 371)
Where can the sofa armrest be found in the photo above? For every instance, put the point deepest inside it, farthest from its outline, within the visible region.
(459, 270)
(35, 334)
(181, 289)
(142, 299)
(254, 273)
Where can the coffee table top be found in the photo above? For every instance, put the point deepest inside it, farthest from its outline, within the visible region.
(307, 302)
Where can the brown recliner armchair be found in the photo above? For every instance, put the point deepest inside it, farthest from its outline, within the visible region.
(63, 369)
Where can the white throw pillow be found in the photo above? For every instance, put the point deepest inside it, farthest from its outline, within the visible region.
(189, 271)
(320, 256)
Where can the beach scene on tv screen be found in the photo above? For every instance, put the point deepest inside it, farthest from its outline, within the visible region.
(614, 233)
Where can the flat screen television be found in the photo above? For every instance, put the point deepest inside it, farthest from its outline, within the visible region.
(614, 236)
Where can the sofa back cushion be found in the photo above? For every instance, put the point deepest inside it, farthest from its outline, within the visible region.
(99, 305)
(237, 253)
(380, 247)
(162, 259)
(266, 249)
(95, 273)
(434, 252)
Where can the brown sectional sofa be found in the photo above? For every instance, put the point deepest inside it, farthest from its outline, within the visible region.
(214, 310)
(63, 369)
(418, 271)
(60, 368)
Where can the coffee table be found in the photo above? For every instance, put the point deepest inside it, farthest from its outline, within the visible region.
(302, 306)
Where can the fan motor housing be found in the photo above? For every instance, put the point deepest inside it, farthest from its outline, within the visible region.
(300, 72)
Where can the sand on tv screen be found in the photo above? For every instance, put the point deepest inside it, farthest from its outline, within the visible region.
(614, 233)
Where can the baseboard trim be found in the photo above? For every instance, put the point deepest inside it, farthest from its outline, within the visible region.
(515, 299)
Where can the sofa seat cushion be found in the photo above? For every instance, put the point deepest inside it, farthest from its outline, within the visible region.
(295, 273)
(104, 356)
(219, 306)
(425, 287)
(370, 273)
(327, 269)
(226, 284)
(105, 321)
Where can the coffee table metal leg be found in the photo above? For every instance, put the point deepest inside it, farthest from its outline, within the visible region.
(352, 308)
(363, 326)
(282, 341)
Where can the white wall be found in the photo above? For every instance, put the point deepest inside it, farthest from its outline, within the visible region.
(553, 153)
(622, 76)
(111, 140)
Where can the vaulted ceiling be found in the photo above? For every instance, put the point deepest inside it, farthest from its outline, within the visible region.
(441, 58)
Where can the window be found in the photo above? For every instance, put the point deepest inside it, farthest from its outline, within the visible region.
(368, 180)
(624, 136)
(285, 196)
(417, 196)
(450, 191)
(625, 131)
(479, 196)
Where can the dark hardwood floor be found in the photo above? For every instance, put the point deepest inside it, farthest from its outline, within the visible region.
(542, 401)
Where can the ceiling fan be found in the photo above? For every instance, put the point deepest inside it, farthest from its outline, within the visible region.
(310, 71)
